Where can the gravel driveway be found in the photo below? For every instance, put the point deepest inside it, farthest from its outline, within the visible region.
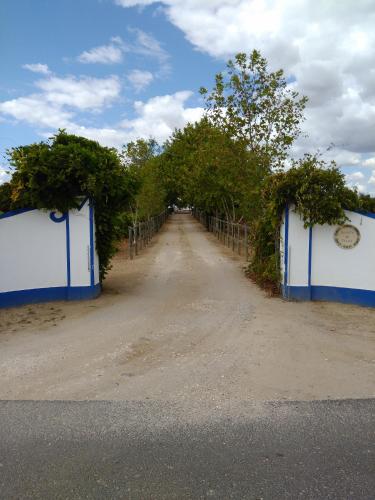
(182, 322)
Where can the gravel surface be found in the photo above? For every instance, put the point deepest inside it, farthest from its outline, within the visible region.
(182, 322)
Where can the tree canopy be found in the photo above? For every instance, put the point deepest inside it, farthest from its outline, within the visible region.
(56, 174)
(256, 106)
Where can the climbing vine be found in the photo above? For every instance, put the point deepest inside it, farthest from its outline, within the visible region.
(318, 193)
(55, 175)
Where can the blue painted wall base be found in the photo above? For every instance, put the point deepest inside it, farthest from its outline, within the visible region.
(36, 295)
(301, 293)
(330, 293)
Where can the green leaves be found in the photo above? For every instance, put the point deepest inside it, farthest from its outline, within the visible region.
(213, 171)
(54, 175)
(141, 161)
(256, 106)
(319, 194)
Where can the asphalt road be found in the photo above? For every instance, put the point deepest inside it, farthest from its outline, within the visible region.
(162, 450)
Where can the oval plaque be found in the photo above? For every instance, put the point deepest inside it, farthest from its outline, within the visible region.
(347, 236)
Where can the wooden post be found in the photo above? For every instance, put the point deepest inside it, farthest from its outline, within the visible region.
(130, 246)
(136, 239)
(246, 244)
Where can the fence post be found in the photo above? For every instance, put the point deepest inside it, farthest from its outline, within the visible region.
(130, 249)
(246, 245)
(136, 239)
(141, 233)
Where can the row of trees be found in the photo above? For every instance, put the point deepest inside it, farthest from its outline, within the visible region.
(230, 164)
(54, 175)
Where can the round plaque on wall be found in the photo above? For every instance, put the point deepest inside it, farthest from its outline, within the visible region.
(347, 236)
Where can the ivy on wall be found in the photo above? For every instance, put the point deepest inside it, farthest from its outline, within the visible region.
(319, 194)
(54, 175)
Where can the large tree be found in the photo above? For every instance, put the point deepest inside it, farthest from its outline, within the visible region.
(213, 171)
(141, 160)
(256, 105)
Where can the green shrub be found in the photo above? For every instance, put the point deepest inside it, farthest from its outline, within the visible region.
(319, 194)
(54, 175)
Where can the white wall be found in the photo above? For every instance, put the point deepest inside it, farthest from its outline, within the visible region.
(79, 224)
(32, 252)
(36, 252)
(331, 265)
(298, 250)
(349, 268)
(282, 248)
(96, 258)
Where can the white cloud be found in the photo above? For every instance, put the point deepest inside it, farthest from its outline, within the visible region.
(60, 101)
(147, 45)
(158, 118)
(134, 3)
(355, 180)
(362, 188)
(37, 68)
(55, 105)
(371, 181)
(4, 176)
(36, 110)
(105, 54)
(140, 79)
(81, 93)
(142, 43)
(370, 162)
(328, 47)
(160, 115)
(355, 176)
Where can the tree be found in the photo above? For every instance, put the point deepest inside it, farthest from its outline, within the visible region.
(257, 106)
(54, 175)
(5, 197)
(151, 195)
(136, 154)
(213, 171)
(140, 159)
(319, 195)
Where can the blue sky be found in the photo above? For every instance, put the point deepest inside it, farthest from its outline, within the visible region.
(56, 33)
(115, 70)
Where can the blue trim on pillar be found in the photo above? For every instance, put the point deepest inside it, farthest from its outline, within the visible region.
(82, 204)
(92, 276)
(57, 219)
(36, 295)
(331, 294)
(286, 245)
(310, 257)
(12, 213)
(345, 295)
(83, 292)
(371, 215)
(309, 264)
(68, 274)
(300, 293)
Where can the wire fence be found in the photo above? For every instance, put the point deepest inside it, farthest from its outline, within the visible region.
(231, 234)
(140, 234)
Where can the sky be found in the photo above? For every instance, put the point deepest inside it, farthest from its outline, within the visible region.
(118, 70)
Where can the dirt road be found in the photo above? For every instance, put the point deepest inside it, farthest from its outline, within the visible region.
(182, 322)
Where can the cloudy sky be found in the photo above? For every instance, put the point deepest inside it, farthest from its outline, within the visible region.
(116, 70)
